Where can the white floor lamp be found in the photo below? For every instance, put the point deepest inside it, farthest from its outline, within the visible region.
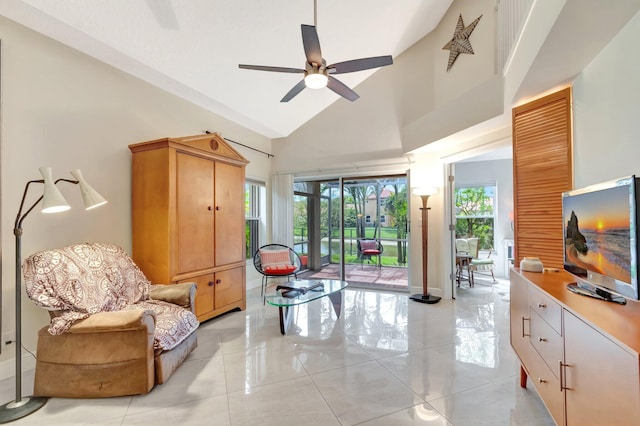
(425, 297)
(52, 202)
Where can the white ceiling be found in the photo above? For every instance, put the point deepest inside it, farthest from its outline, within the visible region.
(192, 48)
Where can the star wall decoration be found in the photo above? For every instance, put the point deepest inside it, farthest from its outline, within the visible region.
(460, 42)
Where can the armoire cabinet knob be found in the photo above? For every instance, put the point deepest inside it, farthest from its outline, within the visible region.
(218, 281)
(209, 208)
(210, 283)
(218, 208)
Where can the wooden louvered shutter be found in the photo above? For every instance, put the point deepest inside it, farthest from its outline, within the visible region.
(542, 169)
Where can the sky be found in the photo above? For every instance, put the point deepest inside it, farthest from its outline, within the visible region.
(603, 209)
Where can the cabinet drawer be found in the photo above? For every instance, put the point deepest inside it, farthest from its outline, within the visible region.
(548, 386)
(546, 341)
(547, 308)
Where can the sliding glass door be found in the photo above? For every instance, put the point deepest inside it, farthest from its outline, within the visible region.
(361, 231)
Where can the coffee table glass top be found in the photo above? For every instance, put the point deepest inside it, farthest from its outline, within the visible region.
(308, 290)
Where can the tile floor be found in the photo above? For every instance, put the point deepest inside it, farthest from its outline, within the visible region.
(386, 361)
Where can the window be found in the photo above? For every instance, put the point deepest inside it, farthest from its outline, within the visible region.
(475, 209)
(253, 199)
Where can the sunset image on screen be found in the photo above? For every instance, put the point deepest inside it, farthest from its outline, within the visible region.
(597, 226)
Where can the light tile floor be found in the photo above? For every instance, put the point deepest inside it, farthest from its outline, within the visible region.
(387, 361)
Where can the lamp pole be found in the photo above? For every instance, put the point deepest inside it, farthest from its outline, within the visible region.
(425, 297)
(20, 407)
(53, 202)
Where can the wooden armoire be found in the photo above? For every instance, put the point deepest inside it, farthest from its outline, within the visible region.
(188, 218)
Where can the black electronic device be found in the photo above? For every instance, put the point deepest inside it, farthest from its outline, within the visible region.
(585, 289)
(293, 291)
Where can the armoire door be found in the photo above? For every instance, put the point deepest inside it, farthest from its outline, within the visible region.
(195, 213)
(228, 287)
(229, 214)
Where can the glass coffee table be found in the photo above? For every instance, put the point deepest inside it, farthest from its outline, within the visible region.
(298, 292)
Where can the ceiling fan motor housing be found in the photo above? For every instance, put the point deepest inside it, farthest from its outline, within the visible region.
(316, 76)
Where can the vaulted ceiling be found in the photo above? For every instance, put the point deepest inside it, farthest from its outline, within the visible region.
(192, 48)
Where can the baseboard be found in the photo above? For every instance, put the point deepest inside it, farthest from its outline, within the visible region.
(8, 367)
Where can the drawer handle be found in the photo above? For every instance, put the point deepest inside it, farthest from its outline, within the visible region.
(562, 376)
(523, 320)
(542, 305)
(542, 339)
(541, 380)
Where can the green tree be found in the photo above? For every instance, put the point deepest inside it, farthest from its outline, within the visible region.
(358, 196)
(396, 205)
(350, 217)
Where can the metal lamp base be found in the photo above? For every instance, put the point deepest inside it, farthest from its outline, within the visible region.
(16, 410)
(425, 298)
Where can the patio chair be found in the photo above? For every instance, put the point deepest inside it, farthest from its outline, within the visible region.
(479, 265)
(368, 248)
(463, 262)
(276, 260)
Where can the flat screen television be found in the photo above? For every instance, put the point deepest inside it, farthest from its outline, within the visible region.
(601, 236)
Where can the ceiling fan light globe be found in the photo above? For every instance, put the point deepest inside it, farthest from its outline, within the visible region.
(316, 81)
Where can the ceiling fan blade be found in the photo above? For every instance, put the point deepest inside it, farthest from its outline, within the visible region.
(311, 44)
(360, 64)
(341, 89)
(163, 12)
(293, 92)
(273, 69)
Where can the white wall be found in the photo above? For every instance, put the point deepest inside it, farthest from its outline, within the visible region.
(63, 109)
(605, 102)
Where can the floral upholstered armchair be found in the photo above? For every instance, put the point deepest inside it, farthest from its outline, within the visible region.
(112, 332)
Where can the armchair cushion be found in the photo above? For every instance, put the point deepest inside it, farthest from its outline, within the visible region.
(105, 322)
(280, 269)
(279, 257)
(368, 245)
(370, 252)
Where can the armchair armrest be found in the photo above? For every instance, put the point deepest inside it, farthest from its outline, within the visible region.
(179, 294)
(104, 322)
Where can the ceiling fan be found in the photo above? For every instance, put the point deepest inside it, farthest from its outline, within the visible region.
(317, 74)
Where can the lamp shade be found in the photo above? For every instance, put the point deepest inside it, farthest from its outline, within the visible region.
(424, 190)
(52, 199)
(316, 80)
(90, 196)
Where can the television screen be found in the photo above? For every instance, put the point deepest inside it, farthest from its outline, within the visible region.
(600, 241)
